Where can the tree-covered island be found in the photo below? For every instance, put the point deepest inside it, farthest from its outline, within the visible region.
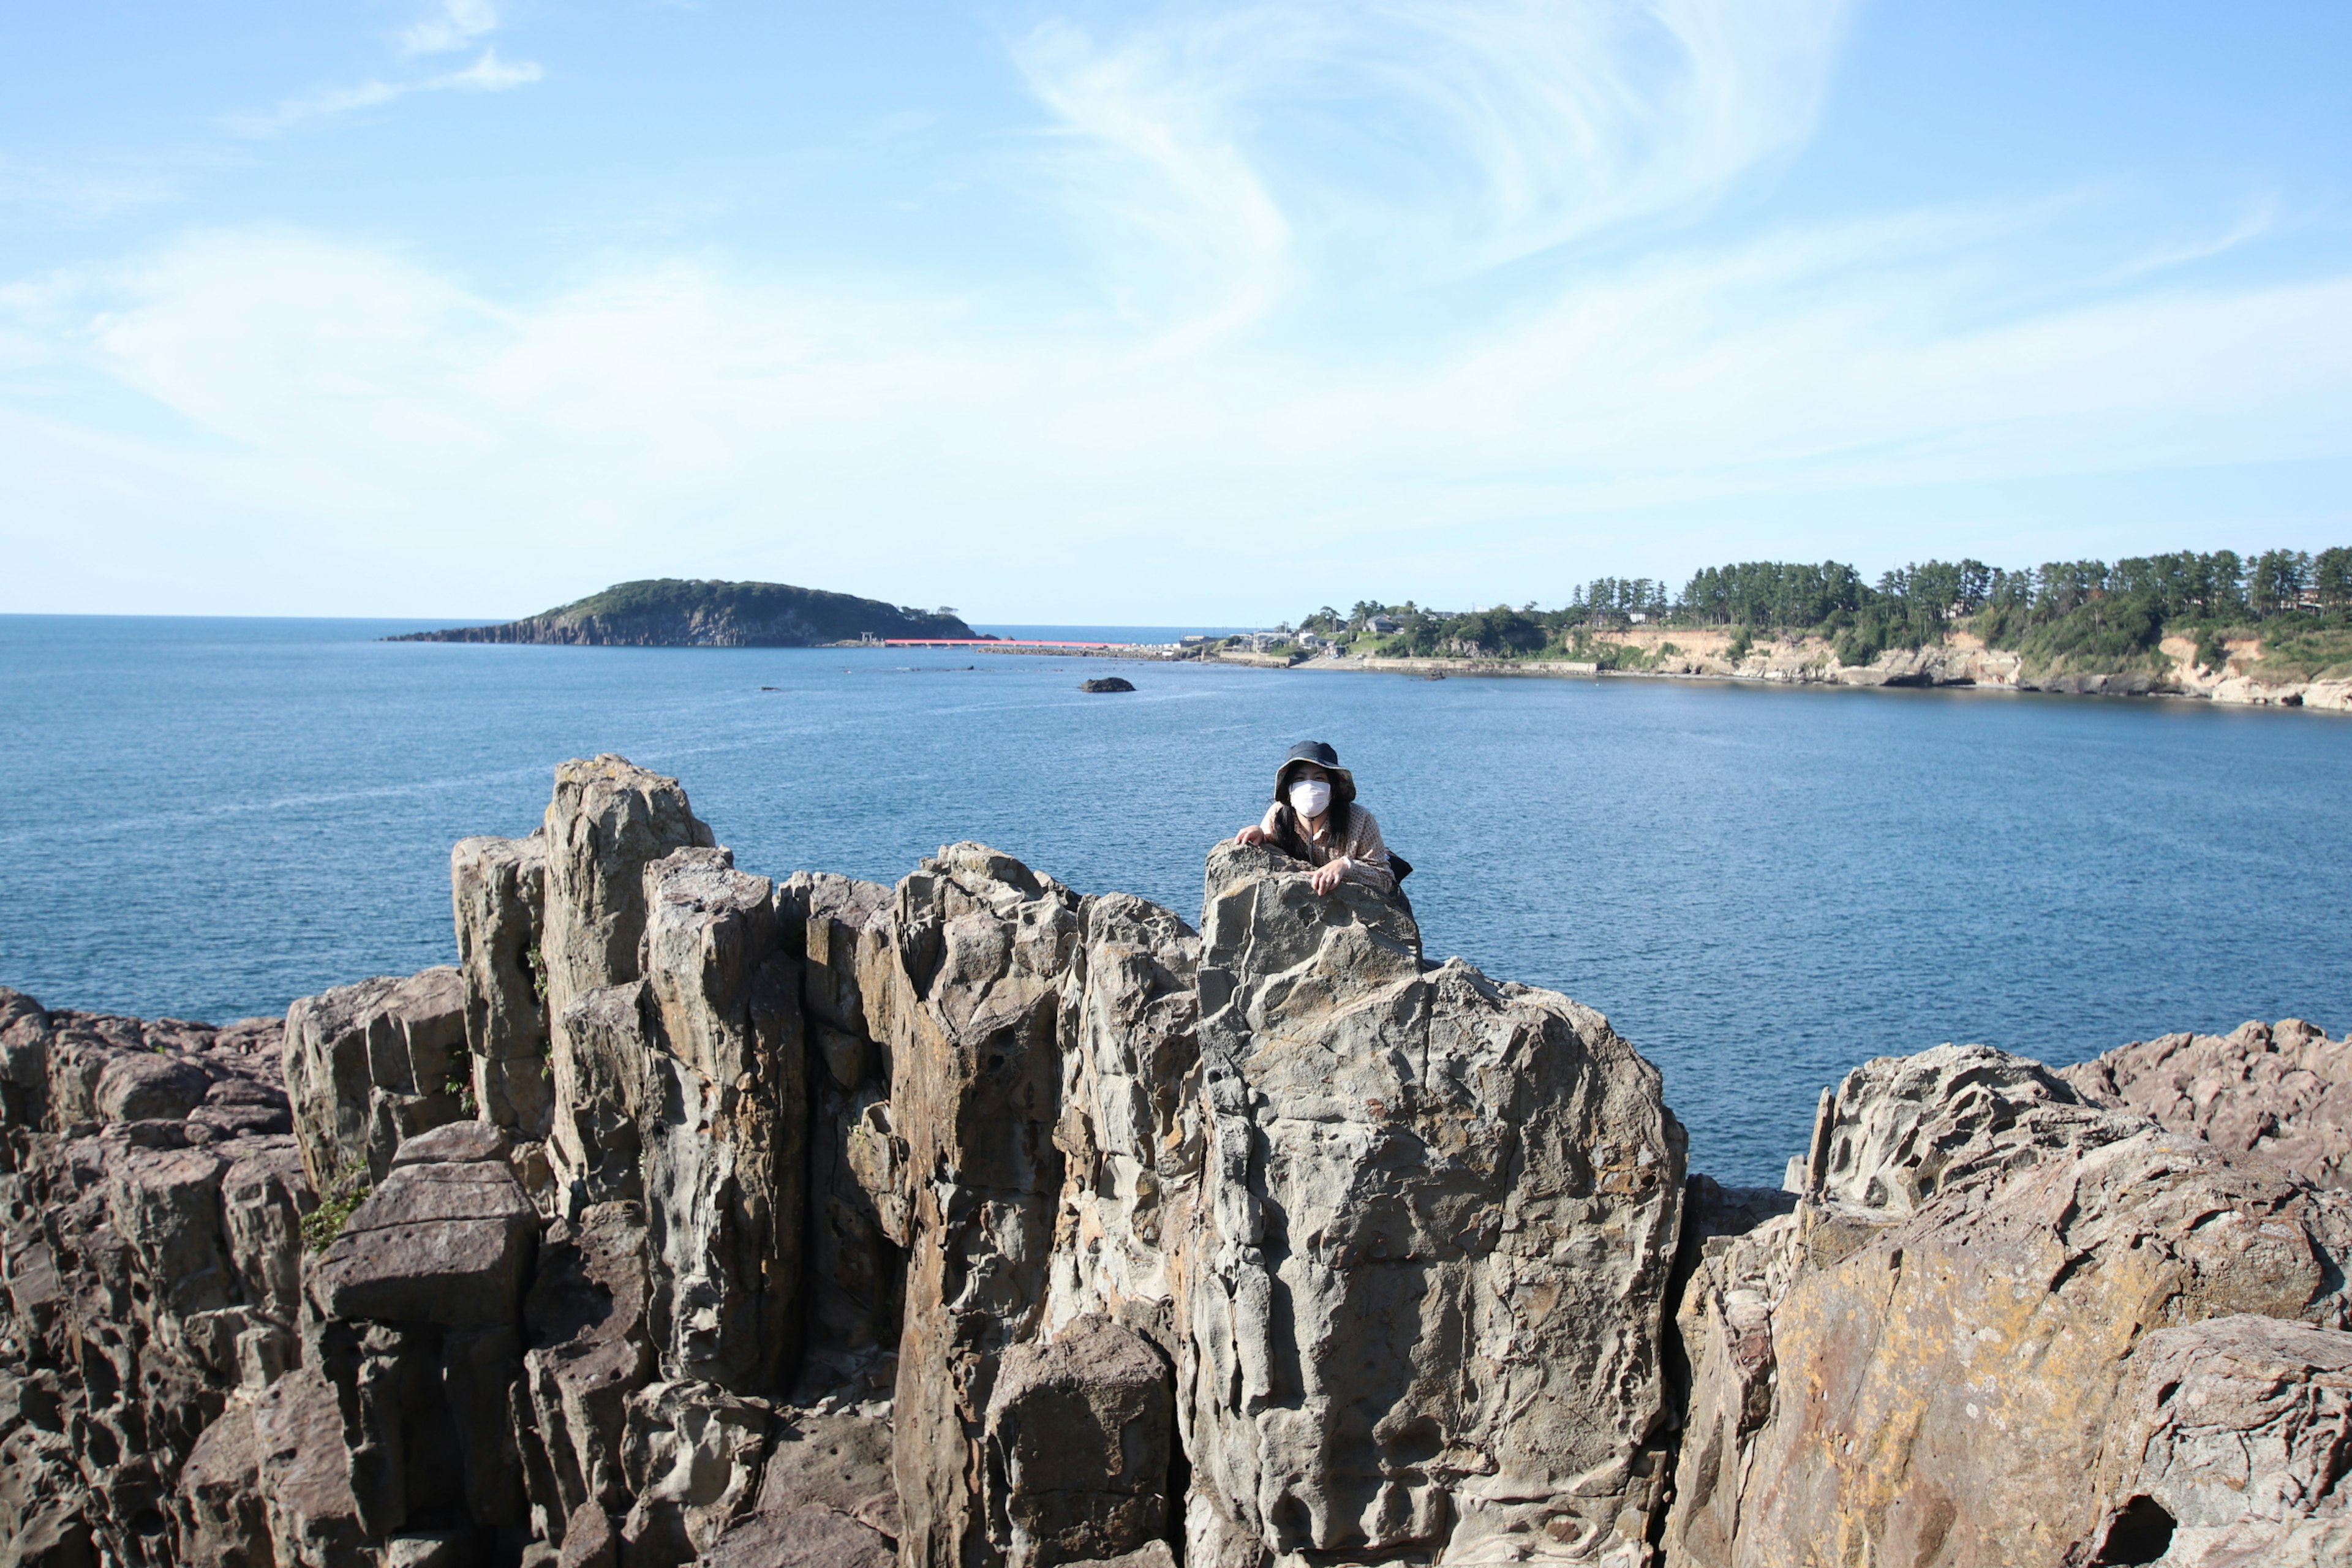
(676, 611)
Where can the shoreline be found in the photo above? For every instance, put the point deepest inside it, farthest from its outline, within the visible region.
(1951, 666)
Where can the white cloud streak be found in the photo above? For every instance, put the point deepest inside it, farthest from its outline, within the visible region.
(1248, 150)
(449, 28)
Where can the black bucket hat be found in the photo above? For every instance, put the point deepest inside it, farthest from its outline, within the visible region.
(1343, 782)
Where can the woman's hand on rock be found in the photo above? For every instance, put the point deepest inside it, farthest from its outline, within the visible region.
(1327, 877)
(1253, 834)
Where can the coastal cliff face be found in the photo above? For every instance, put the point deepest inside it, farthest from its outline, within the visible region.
(699, 1218)
(1962, 660)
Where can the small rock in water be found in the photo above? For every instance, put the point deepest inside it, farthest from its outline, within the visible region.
(1107, 683)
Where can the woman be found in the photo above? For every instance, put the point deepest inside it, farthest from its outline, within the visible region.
(1315, 817)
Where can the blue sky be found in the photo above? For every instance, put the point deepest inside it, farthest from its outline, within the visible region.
(1153, 314)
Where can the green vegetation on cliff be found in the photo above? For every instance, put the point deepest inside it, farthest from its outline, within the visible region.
(2062, 617)
(675, 612)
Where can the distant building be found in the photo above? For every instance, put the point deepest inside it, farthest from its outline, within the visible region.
(1638, 616)
(1195, 640)
(1383, 625)
(1309, 640)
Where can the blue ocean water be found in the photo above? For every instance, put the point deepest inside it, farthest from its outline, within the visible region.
(1760, 887)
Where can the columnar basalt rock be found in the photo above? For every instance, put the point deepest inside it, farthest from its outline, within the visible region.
(856, 1257)
(2282, 1091)
(977, 1224)
(1129, 1129)
(980, 945)
(498, 894)
(418, 1311)
(608, 821)
(589, 1351)
(1426, 1289)
(724, 1125)
(371, 1064)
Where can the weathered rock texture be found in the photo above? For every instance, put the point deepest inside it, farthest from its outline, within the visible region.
(979, 945)
(1426, 1285)
(609, 820)
(2237, 1441)
(2281, 1090)
(696, 1218)
(857, 1209)
(151, 1200)
(497, 892)
(371, 1064)
(1927, 1361)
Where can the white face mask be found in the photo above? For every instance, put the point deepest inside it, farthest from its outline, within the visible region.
(1310, 797)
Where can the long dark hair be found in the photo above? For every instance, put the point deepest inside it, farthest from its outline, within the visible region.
(1291, 833)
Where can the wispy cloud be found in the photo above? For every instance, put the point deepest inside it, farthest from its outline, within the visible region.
(1245, 148)
(449, 26)
(489, 73)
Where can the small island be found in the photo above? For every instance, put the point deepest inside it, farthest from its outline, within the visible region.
(677, 611)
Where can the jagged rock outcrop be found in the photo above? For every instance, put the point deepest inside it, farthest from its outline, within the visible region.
(979, 945)
(371, 1064)
(974, 1223)
(1928, 1359)
(2283, 1091)
(1130, 1126)
(2235, 1447)
(609, 820)
(152, 1205)
(498, 893)
(1426, 1285)
(725, 1124)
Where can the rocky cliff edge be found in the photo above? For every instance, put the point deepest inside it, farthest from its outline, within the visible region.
(695, 1216)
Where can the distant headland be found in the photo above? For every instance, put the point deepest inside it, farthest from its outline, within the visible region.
(679, 612)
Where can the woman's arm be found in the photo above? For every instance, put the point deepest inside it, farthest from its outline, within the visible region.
(1263, 832)
(1368, 854)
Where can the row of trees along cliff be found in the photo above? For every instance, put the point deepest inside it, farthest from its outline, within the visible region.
(2063, 614)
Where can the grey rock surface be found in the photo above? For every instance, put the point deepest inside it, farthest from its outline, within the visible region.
(498, 894)
(1080, 1435)
(2237, 1432)
(608, 821)
(1130, 1127)
(1932, 1371)
(1426, 1285)
(980, 945)
(370, 1064)
(725, 1125)
(2283, 1091)
(150, 1201)
(856, 1257)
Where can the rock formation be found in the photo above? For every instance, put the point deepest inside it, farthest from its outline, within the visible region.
(698, 1218)
(1935, 1358)
(2281, 1091)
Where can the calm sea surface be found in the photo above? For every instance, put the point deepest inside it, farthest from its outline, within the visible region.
(1760, 887)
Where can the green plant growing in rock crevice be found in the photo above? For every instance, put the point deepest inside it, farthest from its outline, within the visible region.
(459, 1087)
(336, 1205)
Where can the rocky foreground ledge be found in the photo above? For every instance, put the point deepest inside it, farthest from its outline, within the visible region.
(697, 1217)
